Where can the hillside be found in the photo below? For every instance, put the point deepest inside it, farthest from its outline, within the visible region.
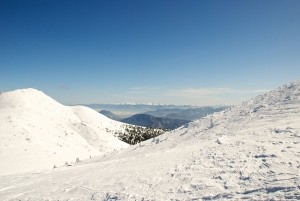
(154, 122)
(38, 133)
(110, 115)
(250, 151)
(189, 114)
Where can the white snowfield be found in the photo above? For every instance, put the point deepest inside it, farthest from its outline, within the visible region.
(36, 132)
(251, 151)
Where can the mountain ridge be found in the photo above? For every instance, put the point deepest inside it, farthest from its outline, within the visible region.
(189, 114)
(150, 121)
(33, 122)
(249, 151)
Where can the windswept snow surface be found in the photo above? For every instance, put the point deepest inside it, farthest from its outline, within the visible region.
(36, 132)
(251, 151)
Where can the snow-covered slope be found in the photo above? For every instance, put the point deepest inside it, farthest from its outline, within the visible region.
(37, 132)
(251, 151)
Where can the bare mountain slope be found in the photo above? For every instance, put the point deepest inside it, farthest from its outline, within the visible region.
(251, 151)
(37, 132)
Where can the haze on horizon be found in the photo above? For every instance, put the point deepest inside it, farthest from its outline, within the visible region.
(169, 52)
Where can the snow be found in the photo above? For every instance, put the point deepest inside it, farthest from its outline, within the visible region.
(37, 132)
(250, 151)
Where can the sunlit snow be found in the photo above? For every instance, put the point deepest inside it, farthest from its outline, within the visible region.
(248, 151)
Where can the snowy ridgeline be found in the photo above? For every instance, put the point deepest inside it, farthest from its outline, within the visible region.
(251, 151)
(37, 132)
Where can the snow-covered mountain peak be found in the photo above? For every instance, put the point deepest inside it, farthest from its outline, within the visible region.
(23, 92)
(38, 132)
(26, 98)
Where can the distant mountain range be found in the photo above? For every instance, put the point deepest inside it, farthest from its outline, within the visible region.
(130, 109)
(189, 114)
(149, 121)
(165, 118)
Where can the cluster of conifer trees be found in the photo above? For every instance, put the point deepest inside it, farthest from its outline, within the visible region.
(136, 134)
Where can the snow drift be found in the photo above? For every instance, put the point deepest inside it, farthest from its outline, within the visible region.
(37, 132)
(251, 151)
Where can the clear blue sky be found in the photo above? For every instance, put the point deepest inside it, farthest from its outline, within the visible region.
(166, 51)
